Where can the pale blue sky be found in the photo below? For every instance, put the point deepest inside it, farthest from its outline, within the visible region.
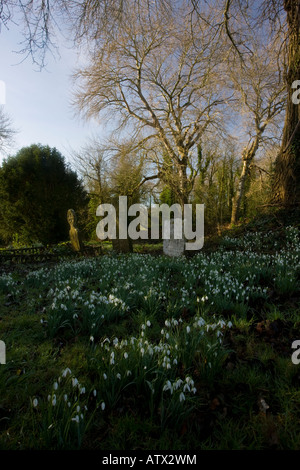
(39, 102)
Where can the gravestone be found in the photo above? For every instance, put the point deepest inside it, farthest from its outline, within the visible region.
(174, 246)
(74, 231)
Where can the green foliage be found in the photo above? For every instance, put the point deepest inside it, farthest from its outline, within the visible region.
(148, 340)
(214, 187)
(36, 190)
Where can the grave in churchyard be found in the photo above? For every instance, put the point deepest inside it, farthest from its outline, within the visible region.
(74, 231)
(174, 244)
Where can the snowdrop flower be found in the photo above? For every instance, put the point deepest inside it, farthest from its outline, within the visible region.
(177, 384)
(181, 397)
(74, 382)
(66, 372)
(118, 376)
(54, 400)
(103, 406)
(65, 397)
(35, 402)
(104, 376)
(76, 419)
(168, 386)
(148, 323)
(112, 358)
(125, 355)
(94, 392)
(201, 322)
(188, 329)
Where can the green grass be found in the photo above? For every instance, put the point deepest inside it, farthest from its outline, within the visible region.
(146, 352)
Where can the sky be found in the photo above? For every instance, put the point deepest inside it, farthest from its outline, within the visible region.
(39, 101)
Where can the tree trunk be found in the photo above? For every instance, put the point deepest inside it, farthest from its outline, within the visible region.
(286, 182)
(236, 203)
(183, 185)
(121, 245)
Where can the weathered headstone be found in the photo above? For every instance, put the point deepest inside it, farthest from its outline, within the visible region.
(172, 245)
(74, 231)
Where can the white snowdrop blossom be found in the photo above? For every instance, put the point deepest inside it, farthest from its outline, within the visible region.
(66, 372)
(74, 381)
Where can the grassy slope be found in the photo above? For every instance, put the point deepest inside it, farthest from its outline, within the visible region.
(247, 388)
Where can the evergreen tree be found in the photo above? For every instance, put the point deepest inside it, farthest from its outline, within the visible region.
(36, 189)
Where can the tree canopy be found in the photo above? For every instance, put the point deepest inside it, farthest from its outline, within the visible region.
(160, 66)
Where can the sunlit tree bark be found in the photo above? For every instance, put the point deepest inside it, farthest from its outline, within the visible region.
(287, 165)
(261, 97)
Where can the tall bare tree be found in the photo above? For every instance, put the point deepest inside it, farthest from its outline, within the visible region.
(152, 74)
(261, 99)
(90, 21)
(284, 16)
